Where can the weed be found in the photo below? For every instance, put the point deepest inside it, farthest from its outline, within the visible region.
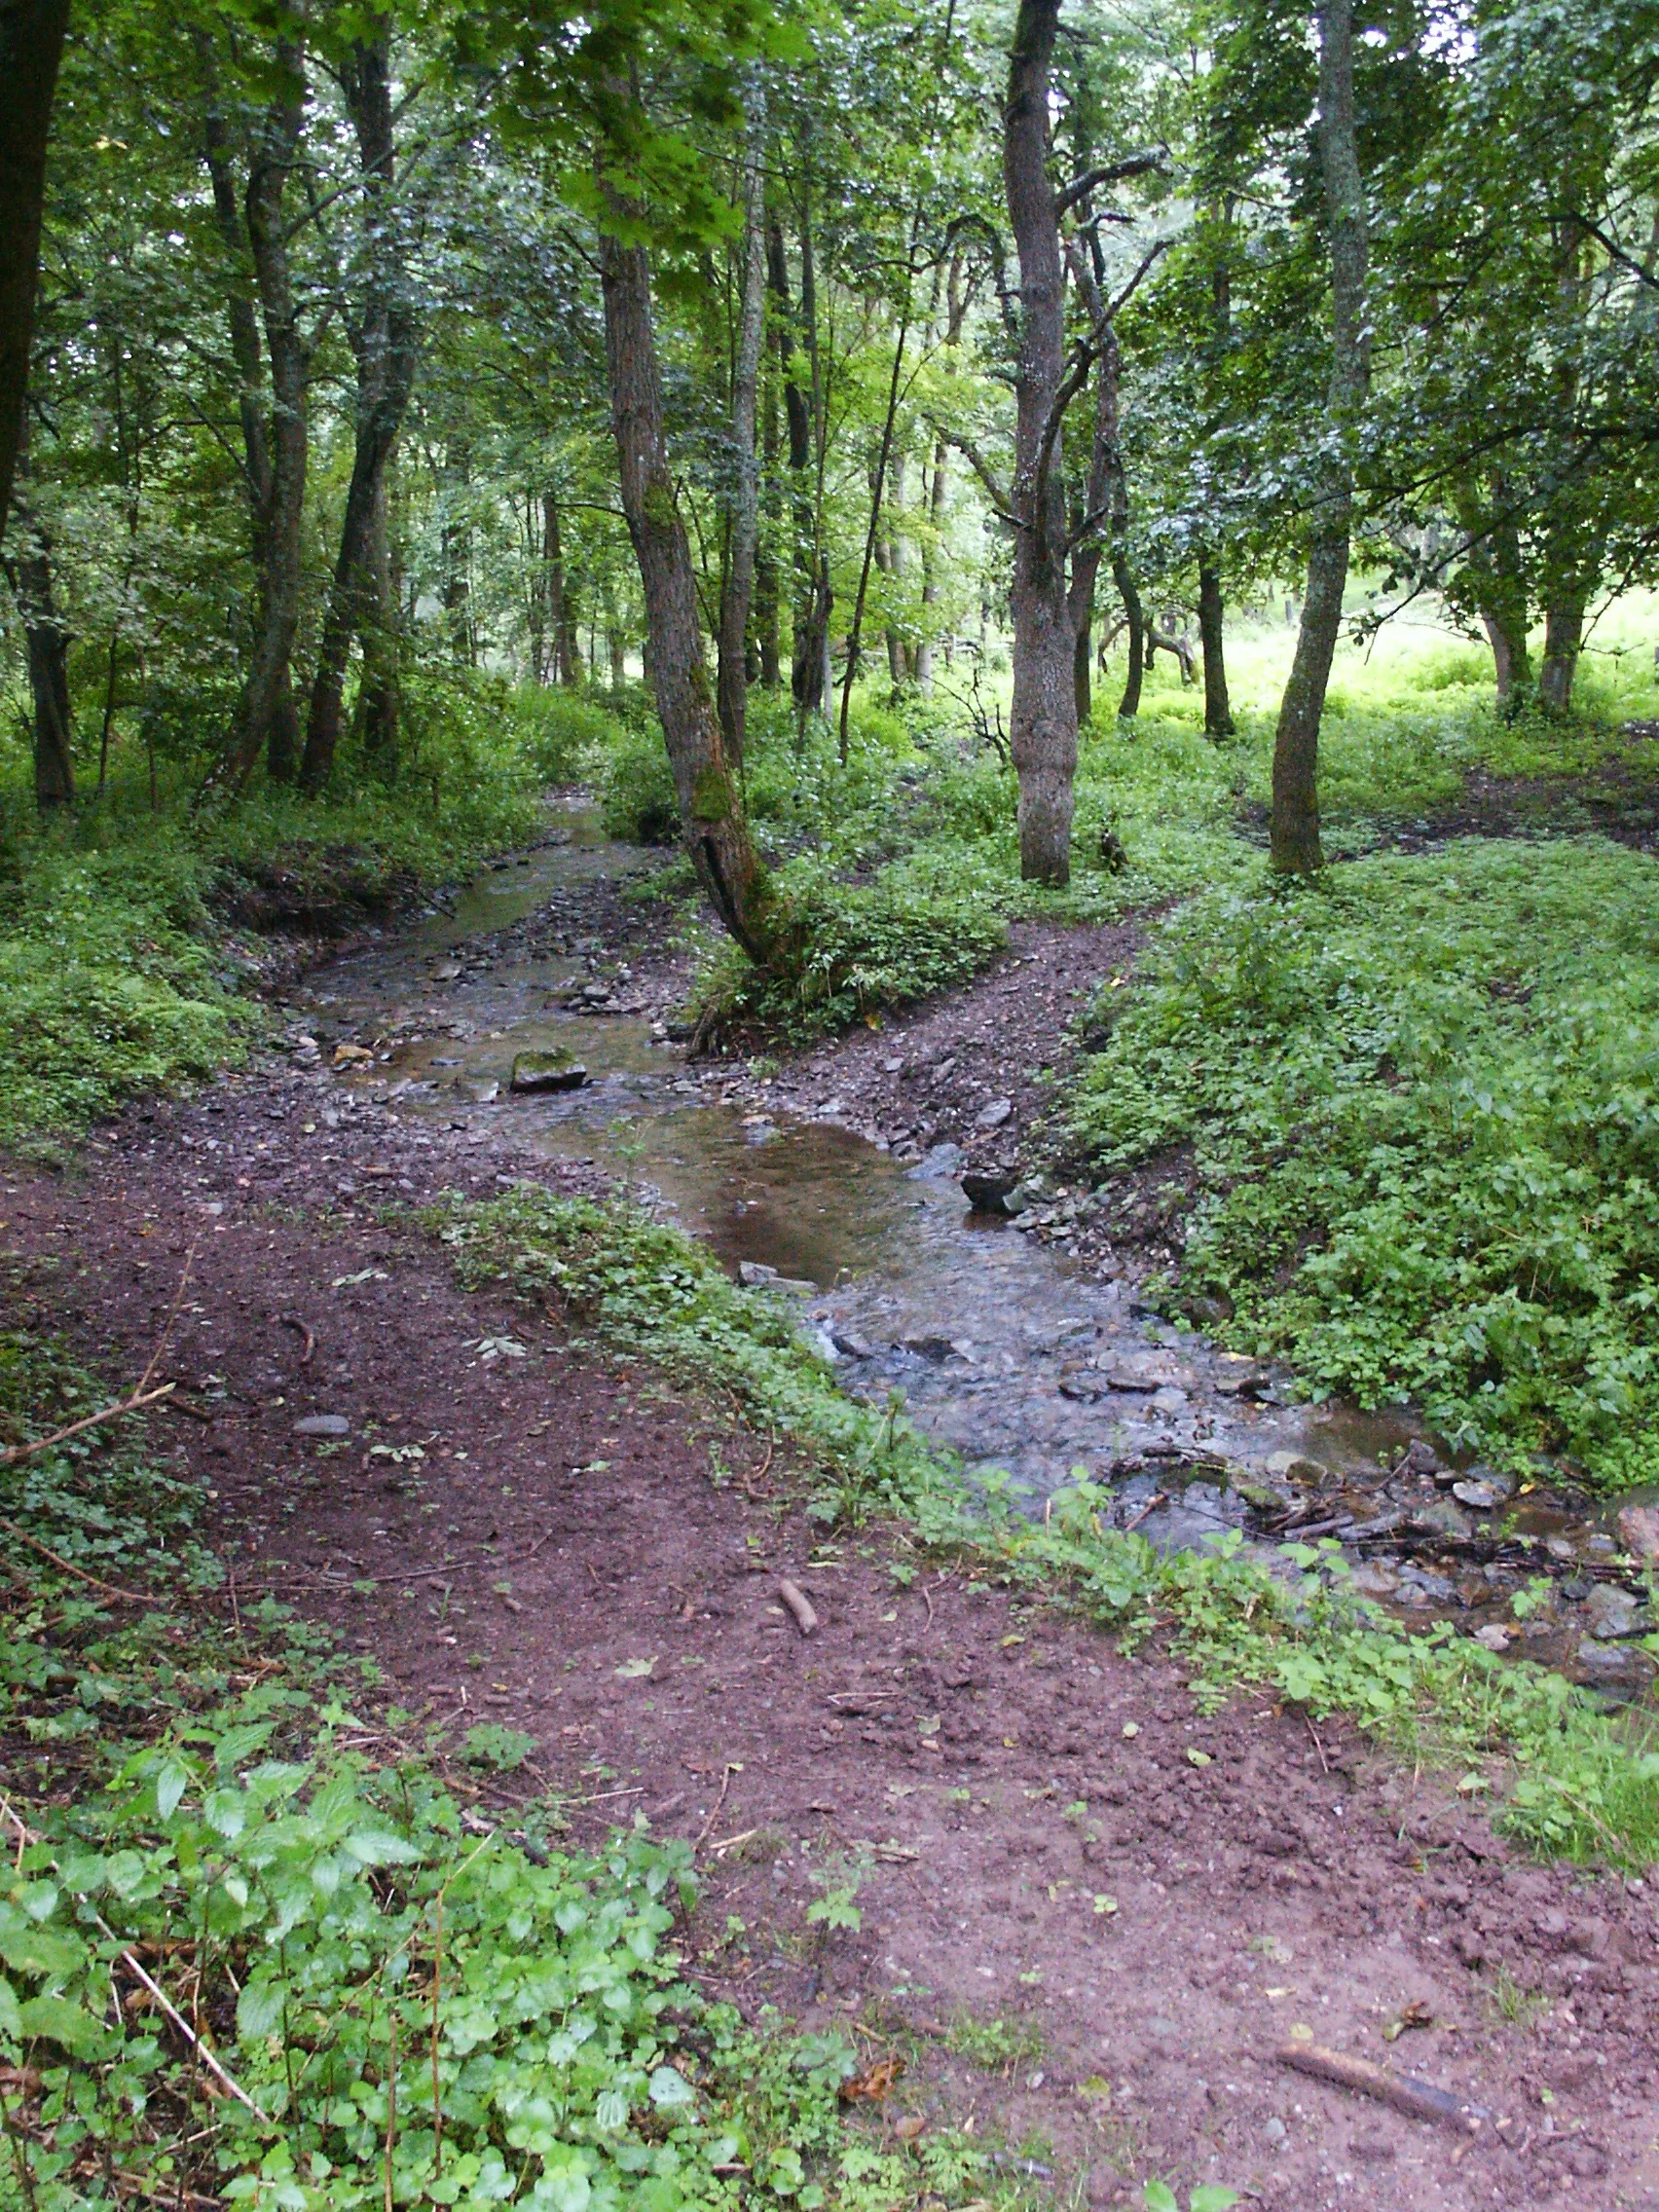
(997, 2046)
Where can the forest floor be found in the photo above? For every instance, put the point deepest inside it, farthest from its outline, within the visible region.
(1091, 1915)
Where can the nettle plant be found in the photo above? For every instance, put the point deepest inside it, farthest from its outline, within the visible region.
(303, 1984)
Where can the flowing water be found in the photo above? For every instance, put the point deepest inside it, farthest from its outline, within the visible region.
(1001, 1349)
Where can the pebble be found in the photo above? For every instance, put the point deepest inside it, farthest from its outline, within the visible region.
(993, 1115)
(322, 1424)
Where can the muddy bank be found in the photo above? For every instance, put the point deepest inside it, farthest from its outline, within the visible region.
(1091, 1913)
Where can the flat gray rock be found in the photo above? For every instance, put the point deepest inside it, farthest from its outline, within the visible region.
(322, 1424)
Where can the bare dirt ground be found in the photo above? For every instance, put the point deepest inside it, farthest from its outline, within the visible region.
(1091, 1916)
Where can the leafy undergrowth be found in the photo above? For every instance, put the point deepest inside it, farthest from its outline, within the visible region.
(1570, 1783)
(209, 1834)
(118, 973)
(1423, 1109)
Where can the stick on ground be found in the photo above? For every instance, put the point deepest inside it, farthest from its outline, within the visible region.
(1418, 2100)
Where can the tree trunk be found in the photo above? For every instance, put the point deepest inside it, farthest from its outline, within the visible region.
(809, 673)
(380, 692)
(46, 641)
(557, 663)
(386, 344)
(1563, 637)
(766, 591)
(1218, 708)
(1043, 719)
(877, 492)
(1295, 831)
(711, 810)
(732, 682)
(32, 45)
(266, 704)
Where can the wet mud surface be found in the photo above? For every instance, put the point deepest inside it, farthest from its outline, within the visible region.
(1091, 1915)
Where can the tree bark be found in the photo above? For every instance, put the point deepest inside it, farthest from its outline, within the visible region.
(265, 707)
(1563, 638)
(386, 344)
(1218, 708)
(1498, 587)
(558, 663)
(31, 47)
(767, 587)
(46, 642)
(877, 492)
(711, 810)
(732, 681)
(809, 673)
(1295, 848)
(1043, 719)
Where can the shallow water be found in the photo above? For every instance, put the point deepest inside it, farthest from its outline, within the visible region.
(999, 1347)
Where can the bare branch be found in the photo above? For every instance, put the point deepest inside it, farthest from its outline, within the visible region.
(1114, 172)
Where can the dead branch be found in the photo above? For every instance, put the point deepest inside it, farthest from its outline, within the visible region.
(1418, 2100)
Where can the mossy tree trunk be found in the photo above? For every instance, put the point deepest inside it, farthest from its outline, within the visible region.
(1042, 717)
(711, 808)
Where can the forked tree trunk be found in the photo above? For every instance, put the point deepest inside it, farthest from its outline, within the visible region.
(809, 672)
(1500, 588)
(1218, 708)
(711, 810)
(386, 344)
(1042, 717)
(32, 45)
(733, 683)
(1295, 834)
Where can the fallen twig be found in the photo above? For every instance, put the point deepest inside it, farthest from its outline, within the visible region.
(1418, 2100)
(14, 1452)
(183, 2026)
(715, 1813)
(293, 1321)
(109, 1589)
(798, 1603)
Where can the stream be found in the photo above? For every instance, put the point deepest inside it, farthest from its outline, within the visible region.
(1002, 1348)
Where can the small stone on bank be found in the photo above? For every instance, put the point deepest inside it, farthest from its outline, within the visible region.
(322, 1424)
(993, 1115)
(547, 1071)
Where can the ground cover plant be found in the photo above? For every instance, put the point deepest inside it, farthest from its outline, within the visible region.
(1418, 1103)
(254, 1949)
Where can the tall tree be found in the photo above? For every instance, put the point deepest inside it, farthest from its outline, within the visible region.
(744, 537)
(711, 808)
(1043, 717)
(385, 340)
(1295, 829)
(31, 47)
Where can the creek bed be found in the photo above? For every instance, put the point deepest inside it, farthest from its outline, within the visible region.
(1002, 1348)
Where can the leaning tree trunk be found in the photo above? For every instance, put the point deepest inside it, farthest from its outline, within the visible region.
(1042, 717)
(386, 346)
(1295, 831)
(32, 45)
(1218, 708)
(732, 681)
(711, 810)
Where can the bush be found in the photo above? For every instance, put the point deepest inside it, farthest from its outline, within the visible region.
(638, 803)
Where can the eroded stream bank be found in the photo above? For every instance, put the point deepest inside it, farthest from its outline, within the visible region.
(1003, 1347)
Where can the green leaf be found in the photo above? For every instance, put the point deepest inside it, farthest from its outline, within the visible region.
(59, 2021)
(1159, 2196)
(173, 1779)
(371, 1848)
(11, 2018)
(1212, 2197)
(259, 2008)
(670, 2089)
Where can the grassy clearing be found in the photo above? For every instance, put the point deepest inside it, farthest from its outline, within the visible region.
(1565, 1781)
